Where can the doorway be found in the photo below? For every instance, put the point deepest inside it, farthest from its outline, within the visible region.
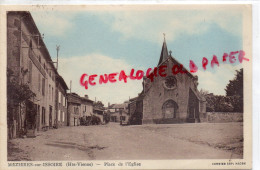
(169, 109)
(50, 117)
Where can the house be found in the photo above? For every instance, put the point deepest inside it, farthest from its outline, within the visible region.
(118, 112)
(99, 112)
(170, 99)
(86, 107)
(31, 64)
(74, 109)
(78, 108)
(61, 117)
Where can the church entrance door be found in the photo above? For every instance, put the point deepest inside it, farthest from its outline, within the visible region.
(169, 109)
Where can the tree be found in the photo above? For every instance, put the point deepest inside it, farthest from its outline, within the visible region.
(203, 92)
(17, 94)
(98, 105)
(235, 86)
(234, 90)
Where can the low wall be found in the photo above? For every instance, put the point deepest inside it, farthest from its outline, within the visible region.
(217, 117)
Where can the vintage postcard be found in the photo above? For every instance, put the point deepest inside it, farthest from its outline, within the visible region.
(126, 86)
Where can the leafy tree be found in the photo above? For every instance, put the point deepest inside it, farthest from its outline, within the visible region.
(17, 94)
(234, 90)
(235, 86)
(98, 105)
(232, 102)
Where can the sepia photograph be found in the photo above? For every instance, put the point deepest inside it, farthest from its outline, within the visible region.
(130, 82)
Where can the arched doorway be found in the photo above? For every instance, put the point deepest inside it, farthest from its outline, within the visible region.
(169, 109)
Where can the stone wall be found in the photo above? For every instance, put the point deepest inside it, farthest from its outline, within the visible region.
(219, 117)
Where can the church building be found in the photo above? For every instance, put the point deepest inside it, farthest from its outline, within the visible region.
(170, 99)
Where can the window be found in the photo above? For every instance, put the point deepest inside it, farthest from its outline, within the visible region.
(30, 71)
(43, 86)
(170, 82)
(123, 118)
(49, 91)
(39, 82)
(58, 115)
(43, 116)
(59, 97)
(30, 44)
(64, 101)
(63, 116)
(52, 94)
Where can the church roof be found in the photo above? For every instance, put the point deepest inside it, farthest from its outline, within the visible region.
(165, 56)
(164, 53)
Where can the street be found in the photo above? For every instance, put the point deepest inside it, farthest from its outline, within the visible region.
(115, 142)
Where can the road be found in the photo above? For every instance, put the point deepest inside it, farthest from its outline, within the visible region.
(115, 142)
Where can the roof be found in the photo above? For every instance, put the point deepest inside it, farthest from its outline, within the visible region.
(164, 58)
(86, 99)
(74, 98)
(164, 53)
(61, 80)
(118, 106)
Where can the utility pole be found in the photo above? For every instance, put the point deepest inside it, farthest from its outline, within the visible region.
(70, 85)
(58, 49)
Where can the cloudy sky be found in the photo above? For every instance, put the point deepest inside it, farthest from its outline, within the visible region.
(98, 42)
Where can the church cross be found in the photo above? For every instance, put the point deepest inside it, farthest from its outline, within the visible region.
(170, 52)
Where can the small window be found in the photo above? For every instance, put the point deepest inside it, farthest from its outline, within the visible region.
(43, 86)
(30, 44)
(59, 97)
(30, 71)
(43, 116)
(52, 94)
(63, 116)
(58, 115)
(49, 91)
(39, 82)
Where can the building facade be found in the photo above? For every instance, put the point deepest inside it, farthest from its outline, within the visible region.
(173, 98)
(78, 108)
(31, 64)
(61, 116)
(119, 112)
(87, 106)
(74, 109)
(29, 59)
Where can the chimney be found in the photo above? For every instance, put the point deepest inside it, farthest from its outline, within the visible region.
(86, 96)
(108, 104)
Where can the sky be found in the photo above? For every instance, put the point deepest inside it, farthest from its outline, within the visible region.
(99, 42)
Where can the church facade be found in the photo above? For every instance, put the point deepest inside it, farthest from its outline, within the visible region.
(173, 98)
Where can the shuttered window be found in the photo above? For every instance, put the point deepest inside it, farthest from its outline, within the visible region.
(43, 86)
(30, 71)
(39, 82)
